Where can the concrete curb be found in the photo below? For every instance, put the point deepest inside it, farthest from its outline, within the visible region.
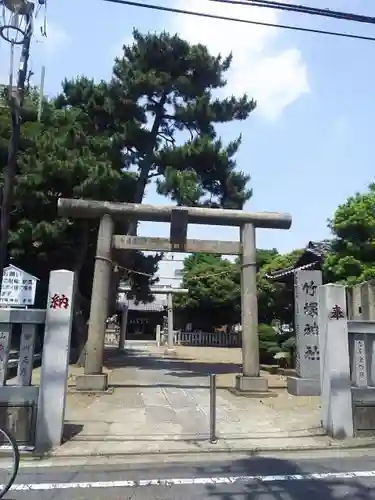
(216, 449)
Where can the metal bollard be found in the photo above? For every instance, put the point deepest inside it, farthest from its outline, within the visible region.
(213, 438)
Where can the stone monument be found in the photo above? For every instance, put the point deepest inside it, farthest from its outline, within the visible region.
(55, 361)
(307, 381)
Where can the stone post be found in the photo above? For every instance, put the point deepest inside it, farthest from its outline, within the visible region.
(158, 335)
(335, 380)
(26, 359)
(170, 347)
(249, 380)
(55, 361)
(368, 314)
(357, 313)
(5, 343)
(124, 326)
(367, 300)
(307, 334)
(94, 379)
(349, 302)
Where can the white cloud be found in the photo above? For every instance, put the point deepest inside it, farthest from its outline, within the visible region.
(274, 77)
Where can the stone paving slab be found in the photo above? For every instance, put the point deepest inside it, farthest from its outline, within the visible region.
(160, 404)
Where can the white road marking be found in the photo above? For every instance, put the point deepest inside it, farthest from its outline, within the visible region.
(5, 447)
(193, 481)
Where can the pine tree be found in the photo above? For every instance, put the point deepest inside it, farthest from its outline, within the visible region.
(173, 138)
(153, 121)
(161, 108)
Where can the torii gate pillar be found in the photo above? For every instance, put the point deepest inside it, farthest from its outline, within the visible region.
(249, 380)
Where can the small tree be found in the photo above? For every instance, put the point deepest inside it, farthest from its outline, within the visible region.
(269, 343)
(214, 290)
(352, 259)
(275, 300)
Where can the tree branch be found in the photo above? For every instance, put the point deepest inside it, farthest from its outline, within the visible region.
(169, 139)
(188, 127)
(150, 176)
(145, 164)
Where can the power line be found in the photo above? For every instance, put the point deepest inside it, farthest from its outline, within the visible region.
(243, 21)
(303, 9)
(193, 278)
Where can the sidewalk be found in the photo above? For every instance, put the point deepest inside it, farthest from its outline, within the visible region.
(161, 405)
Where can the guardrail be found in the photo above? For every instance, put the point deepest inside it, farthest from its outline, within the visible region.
(204, 339)
(207, 339)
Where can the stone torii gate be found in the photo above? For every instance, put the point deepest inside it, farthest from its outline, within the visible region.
(179, 218)
(169, 292)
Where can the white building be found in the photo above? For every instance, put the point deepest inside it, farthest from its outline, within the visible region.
(170, 270)
(143, 317)
(170, 273)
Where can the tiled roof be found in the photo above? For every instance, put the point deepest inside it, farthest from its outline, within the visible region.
(289, 270)
(319, 249)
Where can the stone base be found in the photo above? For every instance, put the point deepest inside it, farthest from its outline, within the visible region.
(94, 383)
(170, 352)
(303, 386)
(251, 384)
(20, 420)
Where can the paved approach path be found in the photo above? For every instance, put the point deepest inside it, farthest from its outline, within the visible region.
(161, 404)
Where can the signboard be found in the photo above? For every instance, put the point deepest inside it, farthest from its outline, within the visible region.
(18, 288)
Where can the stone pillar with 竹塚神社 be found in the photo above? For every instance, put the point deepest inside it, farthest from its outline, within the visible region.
(307, 379)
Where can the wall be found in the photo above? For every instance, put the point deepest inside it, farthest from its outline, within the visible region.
(171, 263)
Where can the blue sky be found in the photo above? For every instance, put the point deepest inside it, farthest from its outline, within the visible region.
(307, 147)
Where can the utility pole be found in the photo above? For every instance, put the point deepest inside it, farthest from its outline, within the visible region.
(17, 8)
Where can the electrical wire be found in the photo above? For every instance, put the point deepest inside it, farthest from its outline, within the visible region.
(204, 276)
(302, 9)
(347, 16)
(243, 21)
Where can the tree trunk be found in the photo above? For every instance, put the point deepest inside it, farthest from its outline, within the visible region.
(144, 171)
(80, 330)
(146, 165)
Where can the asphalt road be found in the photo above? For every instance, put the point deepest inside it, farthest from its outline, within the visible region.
(243, 479)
